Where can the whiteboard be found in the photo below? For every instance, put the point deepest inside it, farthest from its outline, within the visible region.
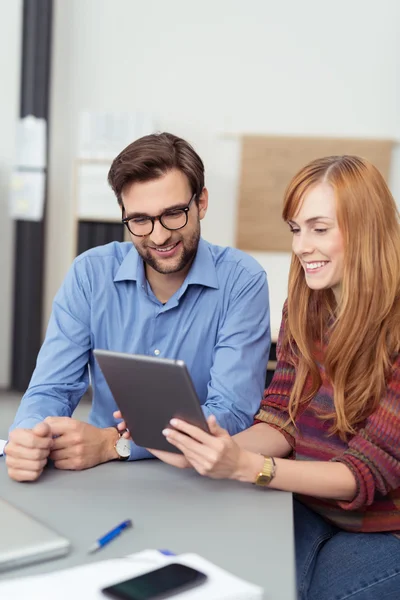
(95, 199)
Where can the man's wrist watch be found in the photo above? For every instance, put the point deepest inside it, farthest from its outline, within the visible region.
(267, 473)
(122, 448)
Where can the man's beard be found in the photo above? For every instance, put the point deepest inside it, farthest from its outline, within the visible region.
(188, 252)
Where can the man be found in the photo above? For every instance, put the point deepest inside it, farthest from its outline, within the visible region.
(168, 294)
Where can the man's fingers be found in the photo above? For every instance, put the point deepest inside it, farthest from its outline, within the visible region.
(121, 426)
(65, 453)
(19, 475)
(23, 464)
(27, 439)
(42, 429)
(63, 441)
(17, 451)
(64, 465)
(60, 425)
(70, 464)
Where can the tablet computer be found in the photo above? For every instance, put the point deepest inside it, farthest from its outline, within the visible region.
(149, 392)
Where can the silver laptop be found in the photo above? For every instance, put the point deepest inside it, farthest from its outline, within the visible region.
(24, 540)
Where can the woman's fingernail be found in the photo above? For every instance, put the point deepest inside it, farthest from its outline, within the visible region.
(166, 432)
(174, 421)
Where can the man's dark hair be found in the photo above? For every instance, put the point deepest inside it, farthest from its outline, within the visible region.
(151, 157)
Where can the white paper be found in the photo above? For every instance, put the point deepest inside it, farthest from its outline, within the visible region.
(86, 581)
(27, 195)
(105, 134)
(96, 200)
(31, 143)
(2, 444)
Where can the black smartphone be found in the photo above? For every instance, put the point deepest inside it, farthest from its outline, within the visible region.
(155, 585)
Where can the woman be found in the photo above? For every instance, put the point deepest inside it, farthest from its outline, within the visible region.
(328, 428)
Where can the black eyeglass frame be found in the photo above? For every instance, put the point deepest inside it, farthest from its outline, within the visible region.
(125, 220)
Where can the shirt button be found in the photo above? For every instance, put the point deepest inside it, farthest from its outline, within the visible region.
(156, 351)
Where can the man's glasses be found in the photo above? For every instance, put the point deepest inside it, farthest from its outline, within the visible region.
(172, 219)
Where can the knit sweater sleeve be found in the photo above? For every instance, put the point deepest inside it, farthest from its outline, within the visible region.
(274, 405)
(373, 454)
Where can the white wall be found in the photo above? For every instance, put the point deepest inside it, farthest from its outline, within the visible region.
(10, 41)
(206, 68)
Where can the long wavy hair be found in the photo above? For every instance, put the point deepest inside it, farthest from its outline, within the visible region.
(363, 328)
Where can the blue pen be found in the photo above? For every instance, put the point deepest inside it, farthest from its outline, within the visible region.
(103, 541)
(167, 552)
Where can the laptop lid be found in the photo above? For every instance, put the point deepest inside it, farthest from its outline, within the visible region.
(24, 540)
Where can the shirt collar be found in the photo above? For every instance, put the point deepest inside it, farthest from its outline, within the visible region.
(202, 271)
(131, 268)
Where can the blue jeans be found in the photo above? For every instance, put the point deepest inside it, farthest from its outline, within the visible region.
(332, 564)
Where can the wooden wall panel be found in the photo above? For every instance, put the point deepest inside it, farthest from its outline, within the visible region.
(268, 164)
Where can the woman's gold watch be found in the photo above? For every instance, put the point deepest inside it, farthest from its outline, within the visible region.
(267, 473)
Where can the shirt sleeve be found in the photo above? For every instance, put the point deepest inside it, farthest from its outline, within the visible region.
(61, 375)
(373, 454)
(274, 405)
(139, 453)
(240, 355)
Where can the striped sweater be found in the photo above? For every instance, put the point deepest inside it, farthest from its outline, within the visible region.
(372, 454)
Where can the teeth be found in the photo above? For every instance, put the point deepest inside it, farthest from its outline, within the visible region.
(315, 265)
(166, 249)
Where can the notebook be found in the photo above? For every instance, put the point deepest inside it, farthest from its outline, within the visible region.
(86, 581)
(24, 540)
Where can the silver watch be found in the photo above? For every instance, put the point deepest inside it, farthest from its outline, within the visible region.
(123, 448)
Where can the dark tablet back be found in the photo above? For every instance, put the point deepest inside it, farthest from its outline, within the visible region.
(149, 392)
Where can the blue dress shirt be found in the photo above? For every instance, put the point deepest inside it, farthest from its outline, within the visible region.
(217, 323)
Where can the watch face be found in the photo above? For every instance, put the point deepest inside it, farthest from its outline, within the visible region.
(263, 480)
(123, 447)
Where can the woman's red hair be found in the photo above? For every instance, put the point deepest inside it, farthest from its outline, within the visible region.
(364, 327)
